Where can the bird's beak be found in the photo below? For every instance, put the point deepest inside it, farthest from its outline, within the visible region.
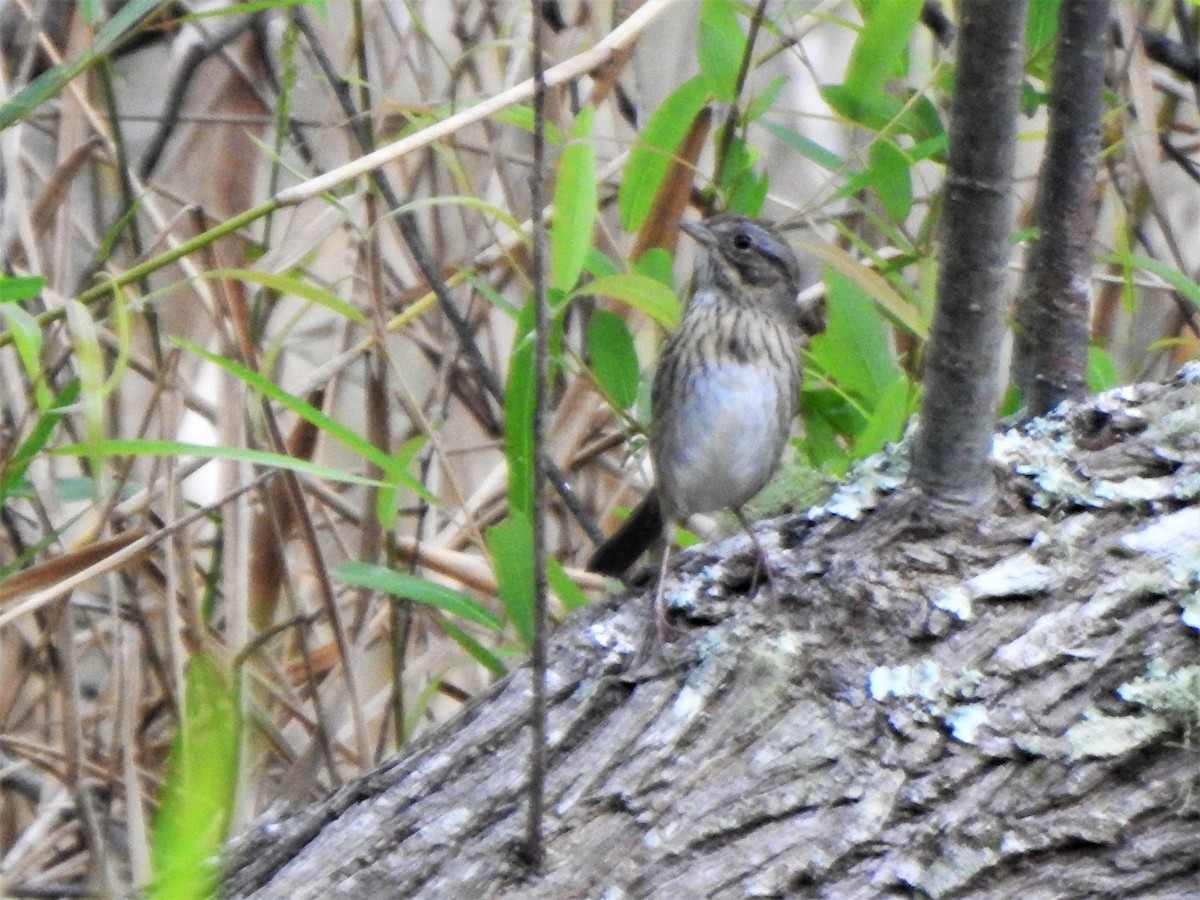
(700, 232)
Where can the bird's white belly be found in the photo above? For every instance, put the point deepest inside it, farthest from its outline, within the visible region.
(725, 440)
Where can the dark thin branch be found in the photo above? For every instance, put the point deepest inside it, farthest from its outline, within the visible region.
(934, 17)
(174, 105)
(1180, 158)
(731, 117)
(958, 418)
(537, 697)
(1050, 363)
(1176, 56)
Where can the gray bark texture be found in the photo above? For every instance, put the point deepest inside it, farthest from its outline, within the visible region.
(997, 708)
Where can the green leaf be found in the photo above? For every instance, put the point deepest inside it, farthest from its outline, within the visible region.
(18, 289)
(13, 469)
(765, 98)
(822, 444)
(519, 401)
(560, 582)
(511, 546)
(129, 17)
(522, 116)
(649, 295)
(315, 417)
(659, 264)
(881, 46)
(27, 338)
(809, 149)
(1102, 372)
(474, 649)
(894, 182)
(387, 501)
(410, 587)
(575, 197)
(854, 353)
(871, 282)
(117, 447)
(1172, 276)
(197, 798)
(1041, 29)
(657, 144)
(613, 357)
(722, 45)
(888, 419)
(296, 287)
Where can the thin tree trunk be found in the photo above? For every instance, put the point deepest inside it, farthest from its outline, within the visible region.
(962, 373)
(1050, 362)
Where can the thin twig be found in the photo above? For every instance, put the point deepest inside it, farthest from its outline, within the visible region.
(537, 701)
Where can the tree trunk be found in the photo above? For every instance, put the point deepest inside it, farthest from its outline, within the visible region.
(1001, 710)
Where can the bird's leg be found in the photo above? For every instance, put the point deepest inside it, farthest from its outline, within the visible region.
(662, 628)
(762, 564)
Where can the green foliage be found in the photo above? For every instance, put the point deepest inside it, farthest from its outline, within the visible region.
(128, 19)
(410, 587)
(511, 546)
(197, 797)
(657, 143)
(613, 357)
(575, 199)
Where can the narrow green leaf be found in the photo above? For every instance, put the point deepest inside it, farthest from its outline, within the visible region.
(765, 98)
(614, 359)
(117, 447)
(14, 290)
(474, 649)
(881, 46)
(27, 338)
(511, 546)
(649, 295)
(410, 587)
(297, 287)
(197, 799)
(894, 182)
(656, 145)
(809, 149)
(13, 469)
(314, 416)
(576, 195)
(722, 45)
(387, 505)
(873, 283)
(519, 400)
(522, 117)
(888, 419)
(567, 590)
(1172, 276)
(128, 17)
(854, 352)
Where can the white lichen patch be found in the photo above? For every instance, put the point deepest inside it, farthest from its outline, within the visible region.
(1099, 735)
(927, 691)
(1175, 693)
(868, 482)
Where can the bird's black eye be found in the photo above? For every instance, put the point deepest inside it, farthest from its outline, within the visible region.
(742, 241)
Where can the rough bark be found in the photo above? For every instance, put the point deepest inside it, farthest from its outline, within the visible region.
(998, 711)
(958, 414)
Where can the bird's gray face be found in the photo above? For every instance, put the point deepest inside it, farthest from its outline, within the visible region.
(746, 253)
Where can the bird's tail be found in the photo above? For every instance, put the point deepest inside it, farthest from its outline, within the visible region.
(643, 527)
